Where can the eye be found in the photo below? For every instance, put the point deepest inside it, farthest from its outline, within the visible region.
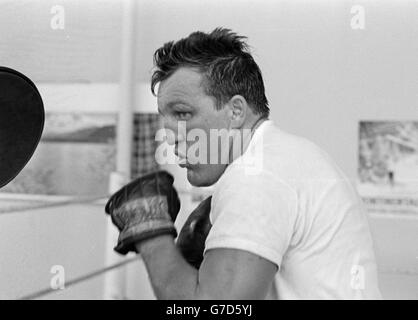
(183, 115)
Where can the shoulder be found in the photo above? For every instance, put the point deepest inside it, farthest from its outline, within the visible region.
(260, 194)
(238, 179)
(295, 158)
(254, 213)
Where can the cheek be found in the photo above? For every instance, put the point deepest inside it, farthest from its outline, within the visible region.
(200, 133)
(198, 145)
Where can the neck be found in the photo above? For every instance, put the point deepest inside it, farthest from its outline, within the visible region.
(241, 139)
(257, 123)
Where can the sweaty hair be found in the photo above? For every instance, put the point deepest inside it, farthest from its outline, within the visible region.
(223, 58)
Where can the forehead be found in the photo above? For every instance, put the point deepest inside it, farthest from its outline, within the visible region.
(184, 83)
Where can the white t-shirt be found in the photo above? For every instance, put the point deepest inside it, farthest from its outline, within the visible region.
(287, 201)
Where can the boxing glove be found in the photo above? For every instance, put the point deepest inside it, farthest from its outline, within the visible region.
(192, 237)
(144, 208)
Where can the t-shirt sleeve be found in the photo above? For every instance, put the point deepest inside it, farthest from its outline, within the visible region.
(254, 213)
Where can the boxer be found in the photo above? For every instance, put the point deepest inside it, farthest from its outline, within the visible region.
(22, 119)
(283, 222)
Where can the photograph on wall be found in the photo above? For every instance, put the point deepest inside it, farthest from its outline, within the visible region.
(74, 158)
(388, 166)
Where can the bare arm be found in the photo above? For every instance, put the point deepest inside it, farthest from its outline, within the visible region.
(224, 273)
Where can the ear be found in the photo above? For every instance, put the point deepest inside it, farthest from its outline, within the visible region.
(238, 111)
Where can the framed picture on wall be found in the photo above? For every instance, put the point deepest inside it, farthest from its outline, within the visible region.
(388, 166)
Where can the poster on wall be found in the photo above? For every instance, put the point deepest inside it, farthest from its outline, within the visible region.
(388, 166)
(75, 157)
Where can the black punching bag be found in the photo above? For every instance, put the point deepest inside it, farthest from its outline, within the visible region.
(22, 119)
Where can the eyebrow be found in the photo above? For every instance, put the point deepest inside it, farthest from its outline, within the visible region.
(172, 103)
(177, 101)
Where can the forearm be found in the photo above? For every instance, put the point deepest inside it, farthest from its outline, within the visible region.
(171, 276)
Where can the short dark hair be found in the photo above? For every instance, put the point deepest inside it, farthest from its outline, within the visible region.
(224, 59)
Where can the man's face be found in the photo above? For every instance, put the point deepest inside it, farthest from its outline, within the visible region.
(182, 101)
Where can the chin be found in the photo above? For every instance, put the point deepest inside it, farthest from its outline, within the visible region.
(203, 176)
(196, 179)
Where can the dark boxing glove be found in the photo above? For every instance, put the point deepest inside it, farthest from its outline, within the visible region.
(144, 208)
(192, 237)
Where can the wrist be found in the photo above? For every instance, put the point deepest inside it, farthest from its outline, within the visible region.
(158, 243)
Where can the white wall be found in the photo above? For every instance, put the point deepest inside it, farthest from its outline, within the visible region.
(321, 77)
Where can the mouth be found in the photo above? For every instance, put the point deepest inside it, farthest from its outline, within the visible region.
(184, 165)
(182, 162)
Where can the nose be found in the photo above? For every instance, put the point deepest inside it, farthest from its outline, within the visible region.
(170, 136)
(175, 132)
